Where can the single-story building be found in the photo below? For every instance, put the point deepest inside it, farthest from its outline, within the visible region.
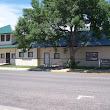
(39, 55)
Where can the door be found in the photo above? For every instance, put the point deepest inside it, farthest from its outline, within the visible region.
(46, 58)
(7, 57)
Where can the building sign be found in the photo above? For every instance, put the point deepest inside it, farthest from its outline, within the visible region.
(104, 63)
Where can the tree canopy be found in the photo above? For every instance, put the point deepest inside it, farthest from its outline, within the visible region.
(51, 20)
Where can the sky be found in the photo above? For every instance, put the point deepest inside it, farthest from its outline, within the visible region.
(11, 10)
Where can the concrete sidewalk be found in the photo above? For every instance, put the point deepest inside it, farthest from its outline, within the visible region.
(14, 69)
(9, 108)
(34, 69)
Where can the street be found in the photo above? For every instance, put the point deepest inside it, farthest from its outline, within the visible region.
(31, 90)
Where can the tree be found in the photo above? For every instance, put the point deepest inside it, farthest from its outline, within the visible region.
(53, 19)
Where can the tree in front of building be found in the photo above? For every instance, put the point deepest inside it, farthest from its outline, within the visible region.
(51, 20)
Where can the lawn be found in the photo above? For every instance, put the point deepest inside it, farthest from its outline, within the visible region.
(14, 66)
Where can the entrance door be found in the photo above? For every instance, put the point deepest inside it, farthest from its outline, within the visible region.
(7, 57)
(46, 58)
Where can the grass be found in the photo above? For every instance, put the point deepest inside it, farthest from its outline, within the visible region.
(92, 67)
(14, 66)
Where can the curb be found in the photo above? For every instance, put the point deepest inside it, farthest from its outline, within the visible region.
(62, 70)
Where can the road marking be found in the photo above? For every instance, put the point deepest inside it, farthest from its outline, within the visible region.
(82, 96)
(9, 108)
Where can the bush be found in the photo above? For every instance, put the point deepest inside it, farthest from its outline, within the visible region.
(72, 63)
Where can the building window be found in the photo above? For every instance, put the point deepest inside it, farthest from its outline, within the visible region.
(56, 56)
(30, 54)
(92, 56)
(7, 37)
(21, 54)
(2, 55)
(13, 55)
(2, 37)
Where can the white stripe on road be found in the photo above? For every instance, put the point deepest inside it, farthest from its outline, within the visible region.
(9, 108)
(82, 96)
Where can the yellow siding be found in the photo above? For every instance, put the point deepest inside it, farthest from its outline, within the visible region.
(103, 53)
(63, 56)
(4, 51)
(38, 56)
(26, 60)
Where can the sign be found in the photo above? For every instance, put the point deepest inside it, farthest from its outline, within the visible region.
(104, 63)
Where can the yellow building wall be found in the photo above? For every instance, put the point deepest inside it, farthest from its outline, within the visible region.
(27, 61)
(103, 53)
(63, 56)
(4, 51)
(38, 56)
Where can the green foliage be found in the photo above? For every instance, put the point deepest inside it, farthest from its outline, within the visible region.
(72, 63)
(36, 23)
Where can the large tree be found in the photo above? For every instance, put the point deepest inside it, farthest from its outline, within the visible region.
(51, 20)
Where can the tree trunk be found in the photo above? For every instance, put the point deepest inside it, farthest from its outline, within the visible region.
(72, 53)
(72, 49)
(72, 44)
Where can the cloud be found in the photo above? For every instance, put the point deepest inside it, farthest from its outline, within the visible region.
(9, 14)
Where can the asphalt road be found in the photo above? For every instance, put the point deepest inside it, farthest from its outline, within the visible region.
(54, 91)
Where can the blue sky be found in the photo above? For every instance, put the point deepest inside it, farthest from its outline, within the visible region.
(11, 10)
(15, 1)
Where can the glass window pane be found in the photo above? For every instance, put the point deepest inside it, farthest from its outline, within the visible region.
(13, 55)
(7, 37)
(56, 56)
(30, 54)
(2, 37)
(21, 54)
(92, 56)
(2, 55)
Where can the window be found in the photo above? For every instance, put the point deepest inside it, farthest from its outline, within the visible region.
(2, 37)
(7, 37)
(56, 56)
(91, 56)
(13, 55)
(21, 54)
(30, 54)
(2, 55)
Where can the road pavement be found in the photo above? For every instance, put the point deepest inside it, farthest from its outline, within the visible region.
(29, 90)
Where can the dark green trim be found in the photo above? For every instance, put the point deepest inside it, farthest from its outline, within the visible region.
(8, 46)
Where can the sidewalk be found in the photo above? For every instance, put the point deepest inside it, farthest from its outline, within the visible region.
(55, 70)
(34, 69)
(14, 69)
(9, 108)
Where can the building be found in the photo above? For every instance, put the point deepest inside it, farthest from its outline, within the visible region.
(34, 57)
(90, 55)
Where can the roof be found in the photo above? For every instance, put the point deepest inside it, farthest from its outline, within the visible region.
(103, 41)
(8, 46)
(6, 29)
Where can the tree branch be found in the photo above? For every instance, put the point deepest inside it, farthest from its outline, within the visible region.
(81, 40)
